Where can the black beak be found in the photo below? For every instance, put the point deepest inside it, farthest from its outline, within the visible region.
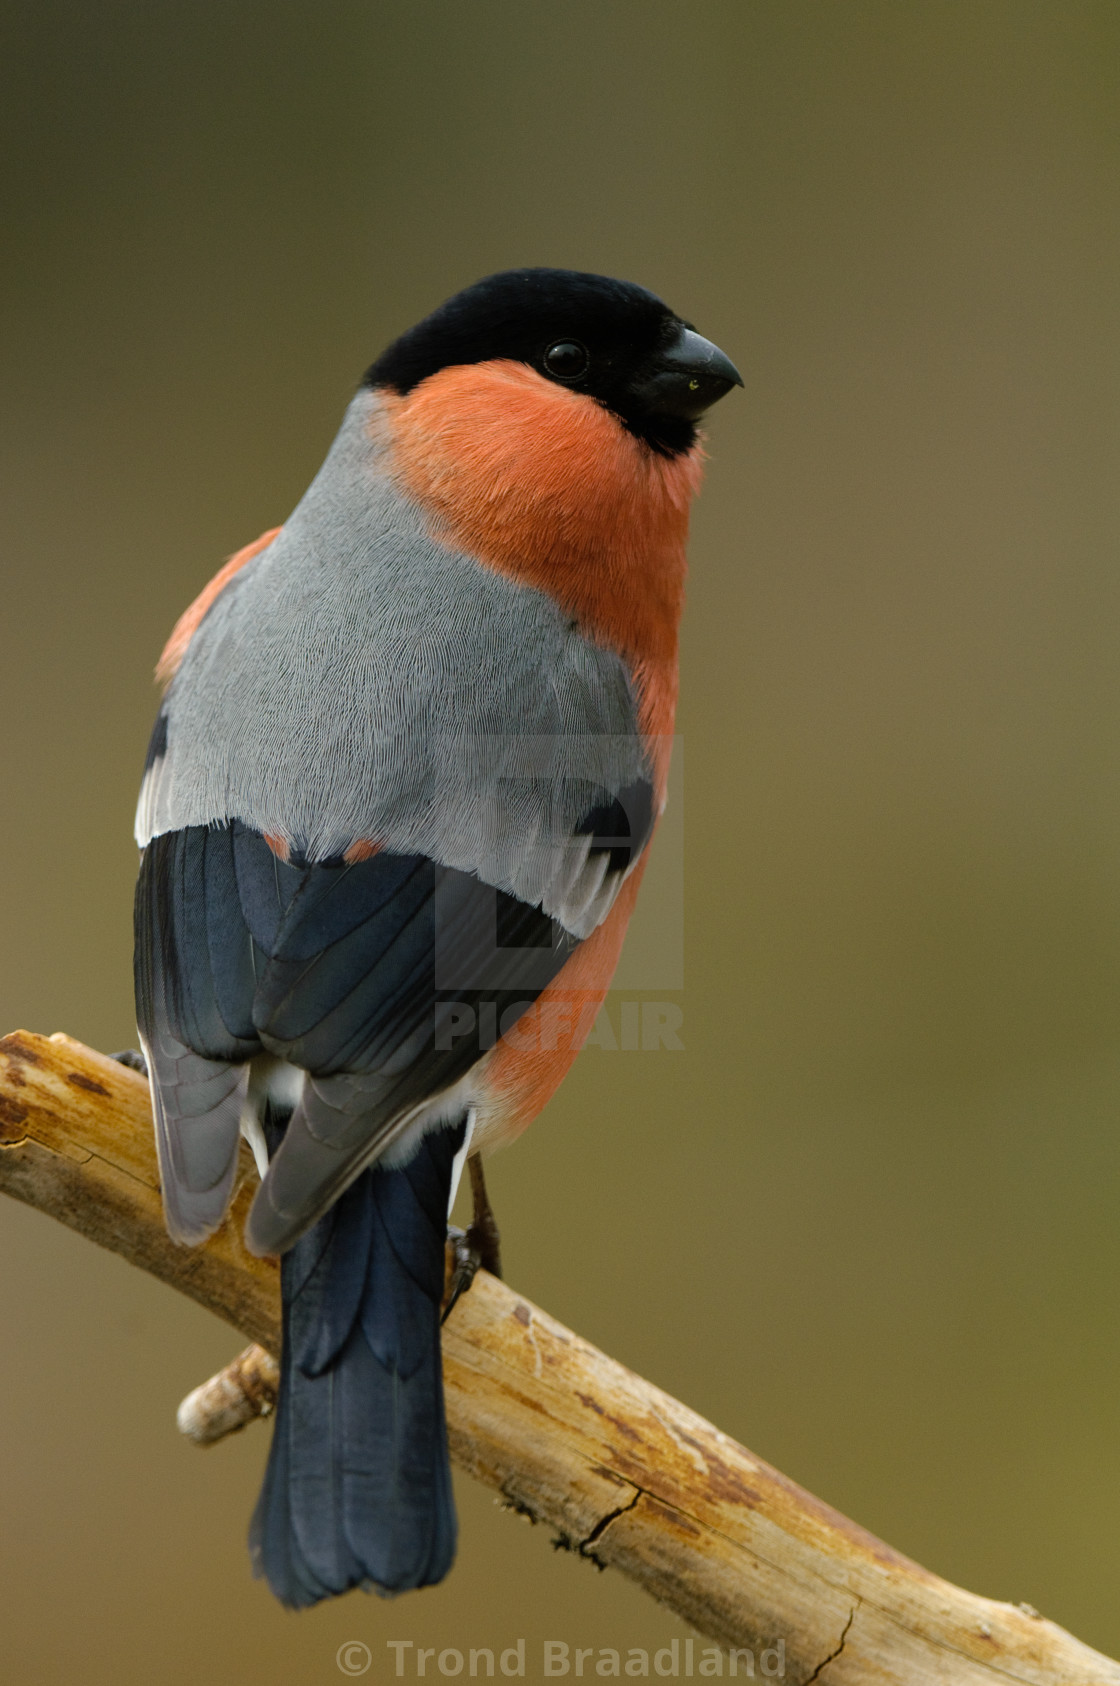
(687, 378)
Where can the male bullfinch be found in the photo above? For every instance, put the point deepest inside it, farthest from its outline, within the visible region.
(398, 796)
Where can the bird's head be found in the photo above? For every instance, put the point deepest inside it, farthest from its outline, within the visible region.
(610, 340)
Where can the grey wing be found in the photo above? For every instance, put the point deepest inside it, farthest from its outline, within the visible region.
(196, 1052)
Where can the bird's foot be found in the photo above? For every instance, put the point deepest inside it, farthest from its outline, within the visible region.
(133, 1059)
(483, 1233)
(476, 1248)
(462, 1266)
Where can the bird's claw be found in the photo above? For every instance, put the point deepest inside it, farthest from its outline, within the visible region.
(133, 1059)
(473, 1249)
(463, 1263)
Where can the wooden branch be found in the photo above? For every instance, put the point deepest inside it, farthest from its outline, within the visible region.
(623, 1473)
(235, 1397)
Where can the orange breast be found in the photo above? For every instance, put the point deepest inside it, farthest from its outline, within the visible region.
(529, 1064)
(549, 487)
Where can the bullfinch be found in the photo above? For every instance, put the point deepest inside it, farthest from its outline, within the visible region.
(396, 808)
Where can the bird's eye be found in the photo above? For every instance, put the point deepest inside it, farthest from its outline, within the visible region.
(567, 360)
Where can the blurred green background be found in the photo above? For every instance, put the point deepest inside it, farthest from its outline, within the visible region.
(869, 1219)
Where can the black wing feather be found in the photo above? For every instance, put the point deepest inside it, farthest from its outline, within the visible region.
(331, 966)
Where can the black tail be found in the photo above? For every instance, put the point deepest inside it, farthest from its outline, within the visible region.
(358, 1487)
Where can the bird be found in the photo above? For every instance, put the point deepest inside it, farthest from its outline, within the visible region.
(398, 799)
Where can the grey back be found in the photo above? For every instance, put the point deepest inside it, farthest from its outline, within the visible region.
(358, 679)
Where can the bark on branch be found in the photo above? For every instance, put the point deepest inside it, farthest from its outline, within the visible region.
(623, 1473)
